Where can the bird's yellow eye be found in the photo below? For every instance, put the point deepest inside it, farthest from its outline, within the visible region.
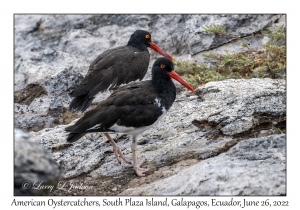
(162, 66)
(147, 36)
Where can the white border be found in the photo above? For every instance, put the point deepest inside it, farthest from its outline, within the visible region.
(154, 6)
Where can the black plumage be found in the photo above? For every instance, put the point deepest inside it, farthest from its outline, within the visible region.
(114, 67)
(132, 108)
(128, 106)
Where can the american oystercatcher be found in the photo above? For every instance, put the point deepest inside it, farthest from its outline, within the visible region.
(132, 109)
(114, 67)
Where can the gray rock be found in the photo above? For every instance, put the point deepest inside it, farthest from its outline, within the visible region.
(252, 167)
(236, 106)
(21, 135)
(208, 124)
(34, 169)
(236, 25)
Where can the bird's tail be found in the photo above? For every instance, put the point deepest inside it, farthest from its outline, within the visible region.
(80, 103)
(72, 137)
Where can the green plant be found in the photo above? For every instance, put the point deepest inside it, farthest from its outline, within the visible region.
(214, 28)
(271, 56)
(200, 74)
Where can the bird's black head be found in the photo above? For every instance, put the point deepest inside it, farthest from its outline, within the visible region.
(140, 39)
(163, 66)
(163, 70)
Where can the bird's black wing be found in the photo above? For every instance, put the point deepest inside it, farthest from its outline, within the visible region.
(112, 68)
(133, 105)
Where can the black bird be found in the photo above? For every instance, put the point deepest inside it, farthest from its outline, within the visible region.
(132, 109)
(114, 67)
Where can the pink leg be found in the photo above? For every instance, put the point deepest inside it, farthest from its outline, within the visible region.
(116, 149)
(137, 166)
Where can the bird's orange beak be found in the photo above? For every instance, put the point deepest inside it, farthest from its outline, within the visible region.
(174, 75)
(160, 51)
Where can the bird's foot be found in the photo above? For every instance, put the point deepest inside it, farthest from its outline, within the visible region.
(140, 171)
(119, 154)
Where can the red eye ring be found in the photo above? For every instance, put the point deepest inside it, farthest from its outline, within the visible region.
(162, 66)
(147, 36)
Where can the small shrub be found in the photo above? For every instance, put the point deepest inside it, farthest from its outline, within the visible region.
(271, 57)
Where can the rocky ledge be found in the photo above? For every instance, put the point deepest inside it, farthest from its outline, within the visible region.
(227, 137)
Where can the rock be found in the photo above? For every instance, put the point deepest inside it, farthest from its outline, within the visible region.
(244, 29)
(236, 106)
(208, 124)
(21, 135)
(254, 167)
(27, 95)
(236, 25)
(33, 167)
